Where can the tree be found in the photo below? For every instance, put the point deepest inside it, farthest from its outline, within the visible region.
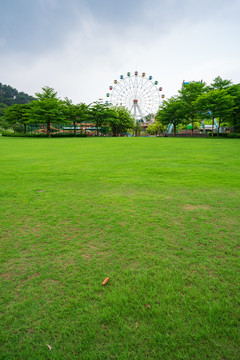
(189, 94)
(17, 115)
(155, 129)
(82, 112)
(100, 114)
(234, 91)
(10, 96)
(172, 111)
(138, 128)
(47, 109)
(121, 120)
(218, 102)
(75, 113)
(220, 84)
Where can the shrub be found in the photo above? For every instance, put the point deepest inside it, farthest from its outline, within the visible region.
(225, 135)
(234, 136)
(11, 134)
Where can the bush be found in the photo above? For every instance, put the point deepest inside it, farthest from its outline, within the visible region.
(215, 134)
(225, 135)
(57, 135)
(234, 136)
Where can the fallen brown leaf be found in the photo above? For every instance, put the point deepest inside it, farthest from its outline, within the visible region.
(147, 306)
(105, 281)
(49, 346)
(181, 293)
(158, 302)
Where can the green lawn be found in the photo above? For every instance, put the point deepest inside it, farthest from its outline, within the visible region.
(159, 216)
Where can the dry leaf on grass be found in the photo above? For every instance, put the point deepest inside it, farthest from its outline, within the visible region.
(105, 281)
(181, 293)
(147, 306)
(49, 346)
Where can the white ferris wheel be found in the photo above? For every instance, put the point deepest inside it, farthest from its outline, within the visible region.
(138, 93)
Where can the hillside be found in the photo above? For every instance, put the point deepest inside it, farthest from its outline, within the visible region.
(10, 96)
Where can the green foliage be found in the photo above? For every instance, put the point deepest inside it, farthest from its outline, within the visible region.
(225, 135)
(172, 111)
(121, 121)
(75, 113)
(188, 95)
(234, 91)
(47, 109)
(155, 128)
(101, 114)
(10, 96)
(41, 135)
(220, 84)
(137, 128)
(218, 102)
(17, 116)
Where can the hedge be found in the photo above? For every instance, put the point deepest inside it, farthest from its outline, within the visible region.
(225, 135)
(11, 134)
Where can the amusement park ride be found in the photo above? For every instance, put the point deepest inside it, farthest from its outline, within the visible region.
(138, 93)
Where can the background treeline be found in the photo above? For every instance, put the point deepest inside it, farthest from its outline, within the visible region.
(46, 111)
(10, 96)
(196, 101)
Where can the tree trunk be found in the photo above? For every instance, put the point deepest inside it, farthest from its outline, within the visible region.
(174, 129)
(97, 130)
(212, 125)
(74, 130)
(234, 123)
(219, 126)
(25, 128)
(192, 122)
(48, 129)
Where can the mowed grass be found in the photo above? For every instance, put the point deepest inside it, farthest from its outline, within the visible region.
(159, 216)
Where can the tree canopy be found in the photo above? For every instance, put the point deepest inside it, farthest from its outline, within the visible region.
(188, 95)
(17, 116)
(121, 120)
(100, 114)
(47, 109)
(218, 103)
(172, 111)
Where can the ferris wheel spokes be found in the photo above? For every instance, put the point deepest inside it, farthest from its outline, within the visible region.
(136, 92)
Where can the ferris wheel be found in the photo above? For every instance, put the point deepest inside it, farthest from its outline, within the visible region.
(138, 93)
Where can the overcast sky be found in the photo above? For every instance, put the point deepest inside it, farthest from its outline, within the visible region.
(79, 47)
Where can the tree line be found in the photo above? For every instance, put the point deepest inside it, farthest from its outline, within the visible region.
(47, 109)
(196, 101)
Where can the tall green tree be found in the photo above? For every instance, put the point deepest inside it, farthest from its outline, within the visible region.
(100, 114)
(172, 111)
(82, 112)
(17, 116)
(234, 91)
(220, 84)
(121, 120)
(47, 109)
(189, 94)
(218, 102)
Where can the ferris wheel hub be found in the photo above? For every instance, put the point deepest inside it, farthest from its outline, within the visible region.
(135, 101)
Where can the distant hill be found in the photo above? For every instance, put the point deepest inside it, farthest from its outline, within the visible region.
(10, 96)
